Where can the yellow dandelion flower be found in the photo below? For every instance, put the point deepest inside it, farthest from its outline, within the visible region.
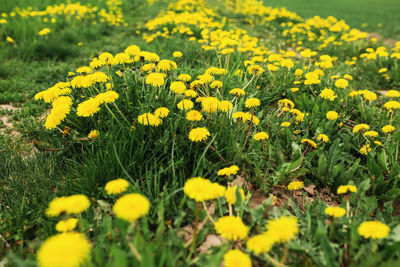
(373, 230)
(393, 93)
(309, 141)
(149, 119)
(199, 134)
(231, 228)
(191, 93)
(44, 31)
(328, 93)
(261, 136)
(155, 79)
(210, 104)
(184, 77)
(194, 115)
(237, 92)
(200, 189)
(332, 115)
(335, 212)
(177, 54)
(260, 243)
(161, 112)
(107, 97)
(252, 102)
(323, 137)
(232, 170)
(344, 189)
(88, 108)
(116, 186)
(295, 185)
(365, 149)
(360, 127)
(285, 124)
(66, 225)
(283, 229)
(67, 250)
(341, 83)
(94, 134)
(131, 207)
(371, 134)
(76, 204)
(230, 194)
(388, 128)
(236, 258)
(225, 106)
(216, 84)
(178, 87)
(392, 105)
(185, 104)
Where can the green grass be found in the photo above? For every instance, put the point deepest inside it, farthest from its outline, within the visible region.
(365, 15)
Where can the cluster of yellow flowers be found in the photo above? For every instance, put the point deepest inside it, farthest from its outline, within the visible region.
(71, 248)
(73, 12)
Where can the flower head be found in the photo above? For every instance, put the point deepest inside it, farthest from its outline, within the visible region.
(149, 119)
(260, 243)
(185, 104)
(332, 115)
(198, 134)
(232, 170)
(343, 189)
(178, 87)
(65, 250)
(88, 108)
(283, 229)
(373, 230)
(309, 141)
(116, 186)
(155, 79)
(230, 194)
(392, 105)
(177, 54)
(231, 228)
(74, 204)
(252, 102)
(131, 207)
(335, 212)
(66, 225)
(200, 189)
(323, 137)
(161, 112)
(341, 83)
(388, 128)
(94, 134)
(295, 185)
(360, 127)
(236, 258)
(328, 93)
(237, 92)
(194, 115)
(261, 136)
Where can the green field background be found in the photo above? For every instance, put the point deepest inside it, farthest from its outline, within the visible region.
(354, 12)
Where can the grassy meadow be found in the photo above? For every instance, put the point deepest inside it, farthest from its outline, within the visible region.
(199, 133)
(374, 16)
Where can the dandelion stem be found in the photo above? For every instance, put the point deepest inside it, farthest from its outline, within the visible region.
(135, 251)
(252, 78)
(273, 261)
(248, 133)
(208, 214)
(219, 155)
(285, 254)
